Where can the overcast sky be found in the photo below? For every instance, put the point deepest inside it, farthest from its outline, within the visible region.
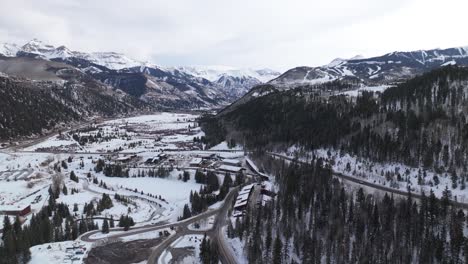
(241, 33)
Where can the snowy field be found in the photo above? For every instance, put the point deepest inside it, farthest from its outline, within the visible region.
(135, 134)
(60, 252)
(375, 89)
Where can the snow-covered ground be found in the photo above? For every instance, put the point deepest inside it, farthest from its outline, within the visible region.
(237, 247)
(27, 174)
(224, 146)
(204, 224)
(60, 252)
(189, 242)
(175, 192)
(134, 134)
(355, 93)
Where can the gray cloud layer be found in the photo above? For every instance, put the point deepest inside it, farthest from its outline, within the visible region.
(244, 33)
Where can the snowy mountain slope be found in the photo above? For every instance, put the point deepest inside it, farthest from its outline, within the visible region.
(213, 73)
(39, 94)
(111, 60)
(391, 67)
(187, 87)
(8, 49)
(235, 81)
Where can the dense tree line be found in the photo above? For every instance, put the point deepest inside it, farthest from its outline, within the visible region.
(208, 251)
(314, 220)
(200, 201)
(29, 107)
(126, 222)
(115, 170)
(53, 223)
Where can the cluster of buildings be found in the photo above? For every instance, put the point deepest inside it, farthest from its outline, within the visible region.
(208, 160)
(157, 159)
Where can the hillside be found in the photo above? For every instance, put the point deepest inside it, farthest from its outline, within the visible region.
(168, 87)
(421, 122)
(37, 95)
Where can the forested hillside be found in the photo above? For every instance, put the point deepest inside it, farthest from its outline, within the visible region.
(313, 219)
(421, 122)
(31, 107)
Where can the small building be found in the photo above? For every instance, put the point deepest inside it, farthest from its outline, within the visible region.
(123, 159)
(15, 210)
(232, 162)
(195, 162)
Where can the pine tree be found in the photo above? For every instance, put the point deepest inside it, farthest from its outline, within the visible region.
(105, 227)
(186, 176)
(112, 224)
(277, 251)
(73, 177)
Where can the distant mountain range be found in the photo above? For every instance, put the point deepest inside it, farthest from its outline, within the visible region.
(358, 73)
(389, 68)
(171, 87)
(234, 80)
(107, 83)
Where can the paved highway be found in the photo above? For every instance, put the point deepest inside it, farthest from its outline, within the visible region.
(181, 228)
(225, 253)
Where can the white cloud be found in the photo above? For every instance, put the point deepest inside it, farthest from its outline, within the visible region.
(261, 33)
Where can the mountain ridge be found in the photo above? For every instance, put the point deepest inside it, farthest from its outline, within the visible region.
(229, 81)
(395, 66)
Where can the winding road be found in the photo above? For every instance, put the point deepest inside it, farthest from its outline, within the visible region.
(182, 229)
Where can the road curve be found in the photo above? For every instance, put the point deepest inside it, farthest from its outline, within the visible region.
(215, 233)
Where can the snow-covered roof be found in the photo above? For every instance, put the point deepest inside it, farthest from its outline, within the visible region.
(231, 161)
(196, 161)
(240, 203)
(248, 187)
(242, 197)
(230, 168)
(12, 207)
(123, 158)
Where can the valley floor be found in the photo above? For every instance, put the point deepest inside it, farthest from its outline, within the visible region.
(156, 151)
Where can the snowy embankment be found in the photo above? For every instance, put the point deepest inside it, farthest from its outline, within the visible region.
(237, 247)
(394, 175)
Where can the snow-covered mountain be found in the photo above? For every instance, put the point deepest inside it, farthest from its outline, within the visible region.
(160, 86)
(391, 67)
(8, 49)
(37, 48)
(207, 84)
(214, 73)
(236, 81)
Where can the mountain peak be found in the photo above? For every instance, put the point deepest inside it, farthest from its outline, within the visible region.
(358, 57)
(36, 45)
